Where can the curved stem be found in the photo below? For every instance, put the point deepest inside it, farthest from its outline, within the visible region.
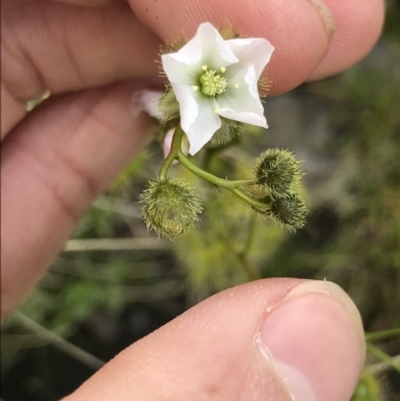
(383, 356)
(59, 342)
(230, 185)
(172, 155)
(383, 334)
(243, 183)
(250, 270)
(233, 186)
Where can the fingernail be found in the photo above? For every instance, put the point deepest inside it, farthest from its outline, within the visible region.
(314, 339)
(327, 17)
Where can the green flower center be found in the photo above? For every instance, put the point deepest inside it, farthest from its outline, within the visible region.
(212, 83)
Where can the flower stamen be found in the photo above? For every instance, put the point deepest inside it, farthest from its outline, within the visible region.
(195, 88)
(236, 86)
(204, 67)
(223, 69)
(212, 84)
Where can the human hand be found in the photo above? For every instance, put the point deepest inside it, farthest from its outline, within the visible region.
(59, 157)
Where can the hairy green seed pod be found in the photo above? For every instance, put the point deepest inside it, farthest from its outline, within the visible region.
(277, 170)
(168, 106)
(229, 130)
(170, 207)
(289, 210)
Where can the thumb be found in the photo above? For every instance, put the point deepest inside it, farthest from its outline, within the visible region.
(276, 339)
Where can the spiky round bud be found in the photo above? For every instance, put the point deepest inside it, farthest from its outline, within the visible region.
(289, 210)
(170, 207)
(229, 130)
(168, 107)
(277, 170)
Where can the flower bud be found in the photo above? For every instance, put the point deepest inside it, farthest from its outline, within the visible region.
(277, 170)
(170, 207)
(227, 32)
(174, 46)
(168, 107)
(229, 130)
(289, 210)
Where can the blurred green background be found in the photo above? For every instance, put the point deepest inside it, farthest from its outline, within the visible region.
(115, 282)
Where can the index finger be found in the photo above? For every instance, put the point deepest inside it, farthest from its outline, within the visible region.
(302, 31)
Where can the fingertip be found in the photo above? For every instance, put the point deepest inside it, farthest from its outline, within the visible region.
(358, 26)
(314, 338)
(278, 339)
(300, 31)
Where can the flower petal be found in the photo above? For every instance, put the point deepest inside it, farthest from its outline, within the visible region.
(179, 70)
(206, 48)
(242, 103)
(254, 51)
(187, 103)
(217, 52)
(204, 127)
(199, 119)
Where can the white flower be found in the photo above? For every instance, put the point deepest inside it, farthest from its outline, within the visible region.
(214, 78)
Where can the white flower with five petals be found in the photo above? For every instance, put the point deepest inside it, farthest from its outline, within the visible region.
(212, 78)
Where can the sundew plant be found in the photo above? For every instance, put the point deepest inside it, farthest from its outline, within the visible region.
(215, 81)
(115, 282)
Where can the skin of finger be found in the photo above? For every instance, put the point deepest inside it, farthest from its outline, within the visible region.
(14, 111)
(72, 48)
(92, 3)
(208, 353)
(295, 28)
(53, 165)
(358, 27)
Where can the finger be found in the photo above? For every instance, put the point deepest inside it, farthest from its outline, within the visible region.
(62, 48)
(53, 165)
(277, 339)
(358, 26)
(300, 30)
(92, 3)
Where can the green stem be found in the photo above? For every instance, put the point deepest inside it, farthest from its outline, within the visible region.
(211, 177)
(57, 341)
(243, 183)
(250, 235)
(230, 185)
(233, 186)
(383, 334)
(172, 155)
(383, 356)
(250, 270)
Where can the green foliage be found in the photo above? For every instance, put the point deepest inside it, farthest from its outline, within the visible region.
(123, 182)
(96, 223)
(369, 388)
(227, 248)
